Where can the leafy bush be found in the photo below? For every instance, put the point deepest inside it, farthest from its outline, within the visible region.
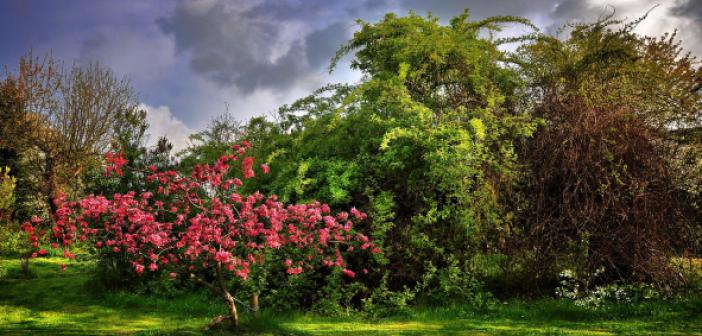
(12, 241)
(425, 144)
(605, 183)
(385, 302)
(7, 192)
(583, 293)
(451, 283)
(202, 227)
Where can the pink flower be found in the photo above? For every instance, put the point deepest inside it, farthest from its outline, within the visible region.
(114, 163)
(247, 167)
(222, 256)
(67, 254)
(348, 273)
(323, 236)
(185, 219)
(359, 215)
(294, 270)
(242, 273)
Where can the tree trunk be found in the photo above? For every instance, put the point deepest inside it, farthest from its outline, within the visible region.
(24, 264)
(220, 288)
(231, 305)
(254, 302)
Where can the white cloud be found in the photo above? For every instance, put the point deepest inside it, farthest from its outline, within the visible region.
(163, 123)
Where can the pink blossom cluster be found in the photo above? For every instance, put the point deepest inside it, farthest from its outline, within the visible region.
(188, 224)
(114, 161)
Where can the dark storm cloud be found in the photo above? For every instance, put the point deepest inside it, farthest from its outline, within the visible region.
(691, 9)
(569, 11)
(318, 10)
(478, 8)
(234, 46)
(224, 43)
(323, 43)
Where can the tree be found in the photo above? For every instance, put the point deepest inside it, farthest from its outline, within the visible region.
(207, 145)
(15, 156)
(425, 143)
(202, 227)
(606, 172)
(63, 116)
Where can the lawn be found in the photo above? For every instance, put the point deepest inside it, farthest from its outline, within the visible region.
(63, 303)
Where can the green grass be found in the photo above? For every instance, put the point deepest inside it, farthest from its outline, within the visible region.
(64, 303)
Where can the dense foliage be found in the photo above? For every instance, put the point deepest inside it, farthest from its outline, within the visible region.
(202, 226)
(56, 120)
(609, 177)
(425, 143)
(7, 192)
(569, 163)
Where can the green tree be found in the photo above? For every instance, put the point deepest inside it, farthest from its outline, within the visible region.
(425, 143)
(207, 145)
(7, 193)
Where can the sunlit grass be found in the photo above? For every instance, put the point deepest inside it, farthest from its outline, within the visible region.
(65, 303)
(58, 301)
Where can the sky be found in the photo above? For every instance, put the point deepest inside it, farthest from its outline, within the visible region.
(190, 61)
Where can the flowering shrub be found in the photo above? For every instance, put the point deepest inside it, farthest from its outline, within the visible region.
(203, 228)
(580, 291)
